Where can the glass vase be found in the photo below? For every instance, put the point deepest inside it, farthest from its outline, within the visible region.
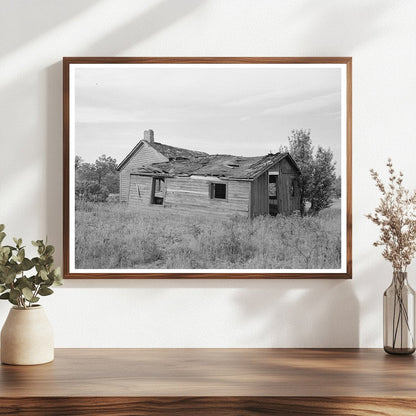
(399, 316)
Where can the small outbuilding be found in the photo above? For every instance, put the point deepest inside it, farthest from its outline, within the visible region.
(157, 176)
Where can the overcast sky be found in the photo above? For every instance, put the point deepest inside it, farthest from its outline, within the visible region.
(240, 111)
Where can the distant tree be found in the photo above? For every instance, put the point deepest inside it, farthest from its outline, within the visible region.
(95, 181)
(317, 180)
(323, 180)
(97, 192)
(84, 175)
(301, 149)
(78, 162)
(106, 169)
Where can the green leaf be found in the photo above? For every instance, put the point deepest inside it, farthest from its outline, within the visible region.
(43, 274)
(45, 291)
(9, 277)
(24, 282)
(27, 293)
(2, 236)
(15, 294)
(4, 255)
(5, 295)
(2, 288)
(49, 250)
(21, 255)
(13, 302)
(37, 243)
(38, 280)
(11, 248)
(5, 250)
(2, 226)
(26, 264)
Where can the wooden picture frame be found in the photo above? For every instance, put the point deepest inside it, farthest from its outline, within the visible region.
(177, 165)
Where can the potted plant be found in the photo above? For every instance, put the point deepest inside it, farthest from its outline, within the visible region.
(27, 336)
(396, 217)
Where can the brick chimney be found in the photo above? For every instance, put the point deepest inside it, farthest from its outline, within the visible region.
(149, 136)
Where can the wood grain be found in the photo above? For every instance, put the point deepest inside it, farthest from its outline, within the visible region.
(67, 61)
(212, 381)
(207, 406)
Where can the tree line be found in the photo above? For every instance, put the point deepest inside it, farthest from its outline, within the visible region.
(318, 183)
(96, 181)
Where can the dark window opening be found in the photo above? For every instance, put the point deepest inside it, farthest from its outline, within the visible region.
(159, 182)
(158, 191)
(218, 191)
(293, 187)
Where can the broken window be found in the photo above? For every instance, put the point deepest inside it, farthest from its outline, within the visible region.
(158, 191)
(218, 191)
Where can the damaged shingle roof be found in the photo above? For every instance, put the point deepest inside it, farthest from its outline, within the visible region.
(223, 166)
(172, 152)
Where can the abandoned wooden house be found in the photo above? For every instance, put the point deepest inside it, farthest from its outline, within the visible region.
(155, 176)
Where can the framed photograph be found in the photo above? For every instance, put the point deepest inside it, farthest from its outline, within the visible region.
(207, 168)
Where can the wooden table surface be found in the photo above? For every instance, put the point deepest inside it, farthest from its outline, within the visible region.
(212, 381)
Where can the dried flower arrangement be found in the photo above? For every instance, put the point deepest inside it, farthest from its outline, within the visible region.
(396, 217)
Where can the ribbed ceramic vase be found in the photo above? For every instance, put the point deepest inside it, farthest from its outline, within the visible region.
(27, 337)
(399, 316)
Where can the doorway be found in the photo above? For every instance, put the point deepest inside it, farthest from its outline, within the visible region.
(273, 192)
(158, 191)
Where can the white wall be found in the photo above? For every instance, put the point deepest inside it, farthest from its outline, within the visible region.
(380, 35)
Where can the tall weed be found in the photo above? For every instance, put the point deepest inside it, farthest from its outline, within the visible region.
(111, 236)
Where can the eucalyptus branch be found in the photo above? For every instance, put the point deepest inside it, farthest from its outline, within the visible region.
(15, 286)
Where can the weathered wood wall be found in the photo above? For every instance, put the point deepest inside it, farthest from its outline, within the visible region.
(144, 156)
(189, 195)
(287, 203)
(260, 195)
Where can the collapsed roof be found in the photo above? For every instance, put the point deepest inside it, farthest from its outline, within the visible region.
(222, 166)
(185, 162)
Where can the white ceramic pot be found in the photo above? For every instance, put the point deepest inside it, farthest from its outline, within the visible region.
(27, 337)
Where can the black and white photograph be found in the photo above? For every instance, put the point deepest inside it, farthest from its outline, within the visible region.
(207, 168)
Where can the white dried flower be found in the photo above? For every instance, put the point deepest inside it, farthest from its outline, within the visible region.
(396, 217)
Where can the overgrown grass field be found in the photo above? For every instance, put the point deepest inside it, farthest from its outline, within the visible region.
(111, 236)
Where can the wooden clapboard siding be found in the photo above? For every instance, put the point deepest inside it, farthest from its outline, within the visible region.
(144, 155)
(189, 194)
(260, 195)
(287, 203)
(140, 190)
